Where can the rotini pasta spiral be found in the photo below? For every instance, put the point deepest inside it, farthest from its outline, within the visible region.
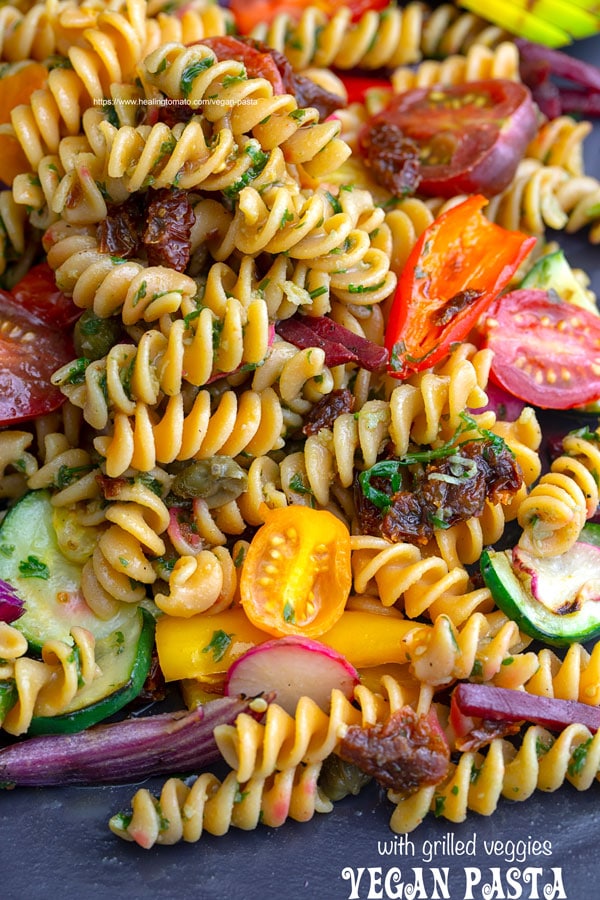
(220, 91)
(183, 813)
(448, 30)
(478, 647)
(30, 34)
(479, 62)
(251, 423)
(16, 463)
(109, 284)
(308, 737)
(559, 142)
(423, 409)
(556, 509)
(578, 197)
(573, 678)
(478, 781)
(417, 583)
(44, 687)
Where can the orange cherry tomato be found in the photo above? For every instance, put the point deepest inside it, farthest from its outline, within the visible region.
(296, 576)
(16, 86)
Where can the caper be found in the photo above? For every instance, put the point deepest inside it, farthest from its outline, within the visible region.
(339, 778)
(217, 481)
(94, 336)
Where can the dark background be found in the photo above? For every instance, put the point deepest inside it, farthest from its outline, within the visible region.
(56, 843)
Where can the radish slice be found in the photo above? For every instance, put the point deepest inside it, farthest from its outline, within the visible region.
(293, 667)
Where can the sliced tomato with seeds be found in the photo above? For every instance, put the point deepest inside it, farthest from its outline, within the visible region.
(296, 575)
(30, 352)
(462, 139)
(546, 351)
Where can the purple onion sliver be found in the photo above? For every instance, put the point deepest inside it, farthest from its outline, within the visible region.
(11, 605)
(580, 102)
(298, 331)
(121, 751)
(561, 64)
(370, 356)
(506, 704)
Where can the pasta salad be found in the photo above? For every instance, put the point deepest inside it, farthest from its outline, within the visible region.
(279, 341)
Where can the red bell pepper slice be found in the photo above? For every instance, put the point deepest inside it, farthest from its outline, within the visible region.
(459, 265)
(358, 85)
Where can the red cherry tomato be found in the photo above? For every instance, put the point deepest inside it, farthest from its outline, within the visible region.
(546, 351)
(30, 351)
(464, 139)
(250, 13)
(456, 269)
(258, 63)
(37, 293)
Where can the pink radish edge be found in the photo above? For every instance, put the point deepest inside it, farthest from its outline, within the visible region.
(292, 666)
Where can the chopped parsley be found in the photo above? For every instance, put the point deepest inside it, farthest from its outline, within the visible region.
(218, 644)
(32, 567)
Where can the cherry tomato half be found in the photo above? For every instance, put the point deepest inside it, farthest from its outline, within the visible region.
(463, 139)
(296, 576)
(37, 293)
(30, 351)
(456, 269)
(257, 62)
(546, 351)
(17, 83)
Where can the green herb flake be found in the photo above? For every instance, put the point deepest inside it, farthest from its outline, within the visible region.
(66, 475)
(140, 293)
(191, 72)
(365, 289)
(32, 567)
(240, 795)
(289, 613)
(579, 757)
(259, 160)
(439, 805)
(218, 644)
(240, 557)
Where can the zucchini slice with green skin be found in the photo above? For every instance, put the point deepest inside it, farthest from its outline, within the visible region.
(538, 621)
(33, 563)
(124, 659)
(50, 585)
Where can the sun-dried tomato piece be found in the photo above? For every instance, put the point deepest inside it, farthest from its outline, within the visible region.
(326, 411)
(404, 754)
(167, 237)
(119, 233)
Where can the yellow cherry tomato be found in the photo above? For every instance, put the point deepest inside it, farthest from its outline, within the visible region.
(297, 576)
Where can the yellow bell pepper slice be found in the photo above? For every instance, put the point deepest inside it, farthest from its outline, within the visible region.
(204, 646)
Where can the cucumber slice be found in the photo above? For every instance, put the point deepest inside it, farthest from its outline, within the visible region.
(31, 560)
(532, 617)
(124, 658)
